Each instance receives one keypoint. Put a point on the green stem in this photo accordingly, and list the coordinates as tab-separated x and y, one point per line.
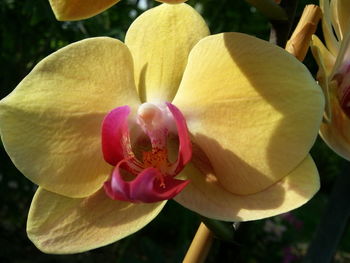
222	230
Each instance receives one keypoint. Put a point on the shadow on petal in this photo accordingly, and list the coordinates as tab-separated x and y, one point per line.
255	100
287	85
206	195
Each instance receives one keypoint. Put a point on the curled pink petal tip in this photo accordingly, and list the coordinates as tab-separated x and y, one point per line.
149	186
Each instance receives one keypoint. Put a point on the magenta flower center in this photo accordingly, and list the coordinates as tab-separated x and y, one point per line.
149	177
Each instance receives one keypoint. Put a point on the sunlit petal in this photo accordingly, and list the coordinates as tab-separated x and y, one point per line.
62	225
207	197
160	41
51	123
252	108
66	10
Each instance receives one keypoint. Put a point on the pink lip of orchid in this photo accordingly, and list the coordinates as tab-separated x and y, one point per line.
153	176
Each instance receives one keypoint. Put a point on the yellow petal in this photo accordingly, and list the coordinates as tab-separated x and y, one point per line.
207	197
171	1
328	60
336	133
330	39
252	108
66	10
63	225
325	61
342	11
335	129
51	122
160	41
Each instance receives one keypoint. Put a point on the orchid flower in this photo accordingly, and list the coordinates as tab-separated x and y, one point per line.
110	131
334	74
69	10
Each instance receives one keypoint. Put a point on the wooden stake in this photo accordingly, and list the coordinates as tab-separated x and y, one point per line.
200	246
299	42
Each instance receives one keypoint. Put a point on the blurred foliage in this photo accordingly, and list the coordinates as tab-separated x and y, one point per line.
29	32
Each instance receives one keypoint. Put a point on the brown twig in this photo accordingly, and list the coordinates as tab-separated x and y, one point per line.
299	42
200	246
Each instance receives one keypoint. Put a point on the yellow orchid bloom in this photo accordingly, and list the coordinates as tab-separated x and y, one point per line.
243	116
334	74
70	10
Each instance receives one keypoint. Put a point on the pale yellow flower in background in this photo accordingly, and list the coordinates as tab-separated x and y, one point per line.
252	111
69	10
334	74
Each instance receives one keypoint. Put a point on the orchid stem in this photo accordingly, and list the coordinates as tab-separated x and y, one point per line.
299	42
200	246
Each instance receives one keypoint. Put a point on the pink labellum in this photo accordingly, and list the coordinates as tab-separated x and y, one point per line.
115	135
185	147
148	186
152	178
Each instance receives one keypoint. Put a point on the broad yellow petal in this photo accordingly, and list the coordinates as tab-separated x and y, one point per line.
160	41
66	10
251	107
206	196
63	225
51	122
336	132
